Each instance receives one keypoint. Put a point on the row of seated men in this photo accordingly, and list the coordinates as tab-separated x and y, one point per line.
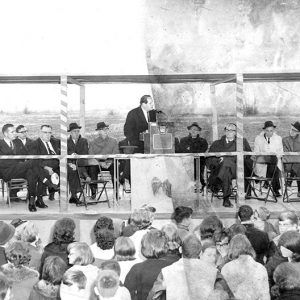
223	169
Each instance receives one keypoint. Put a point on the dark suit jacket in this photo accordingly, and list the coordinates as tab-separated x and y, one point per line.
38	148
81	147
26	146
19	149
136	123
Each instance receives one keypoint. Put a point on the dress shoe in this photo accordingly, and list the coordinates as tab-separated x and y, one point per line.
31	205
73	200
51	197
227	203
277	194
40	203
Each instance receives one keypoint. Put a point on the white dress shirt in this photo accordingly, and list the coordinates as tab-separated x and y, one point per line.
50	146
145	114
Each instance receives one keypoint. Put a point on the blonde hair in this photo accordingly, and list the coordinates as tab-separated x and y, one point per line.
263	213
27	232
124	249
171	232
83	253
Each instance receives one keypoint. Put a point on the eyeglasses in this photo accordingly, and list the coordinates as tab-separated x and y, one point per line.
222	244
47	132
23	131
230	130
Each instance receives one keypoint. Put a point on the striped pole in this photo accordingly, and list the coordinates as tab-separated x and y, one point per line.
63	139
82	109
240	129
213	103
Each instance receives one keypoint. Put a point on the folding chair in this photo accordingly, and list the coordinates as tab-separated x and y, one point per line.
289	178
253	180
84	183
16	184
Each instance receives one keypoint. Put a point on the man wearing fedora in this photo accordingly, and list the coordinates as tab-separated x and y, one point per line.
105	145
269	141
77	145
193	143
291	143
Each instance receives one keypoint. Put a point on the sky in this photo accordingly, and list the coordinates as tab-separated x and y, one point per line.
92	37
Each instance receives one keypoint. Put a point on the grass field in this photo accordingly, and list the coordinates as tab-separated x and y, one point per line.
252	125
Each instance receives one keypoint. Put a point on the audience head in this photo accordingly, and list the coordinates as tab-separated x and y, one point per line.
141	218
295	129
154	244
194	130
27	232
240	245
7	231
171	233
22	132
102	129
289	245
9	131
46	132
209	252
17	253
262	213
53	269
223	244
64	231
104	223
245	213
269	128
124	249
191	247
107	284
288	221
112	265
80	254
146	103
73	282
74	130
286	277
5	287
211	228
237	229
182	215
105	238
230	131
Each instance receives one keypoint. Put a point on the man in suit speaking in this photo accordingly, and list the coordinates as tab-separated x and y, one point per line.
137	122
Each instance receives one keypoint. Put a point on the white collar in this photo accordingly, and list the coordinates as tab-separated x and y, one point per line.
7	141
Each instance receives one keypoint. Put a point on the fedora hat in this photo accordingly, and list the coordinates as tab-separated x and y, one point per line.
73	126
296	125
194	124
269	124
101	125
6	232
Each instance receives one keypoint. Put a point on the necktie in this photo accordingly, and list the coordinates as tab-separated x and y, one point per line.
49	150
268	140
11	145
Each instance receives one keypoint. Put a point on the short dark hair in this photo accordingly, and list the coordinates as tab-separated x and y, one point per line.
74	277
291	241
46	125
110	264
54	269
191	246
180	213
209	226
245	212
105	238
154	244
64	231
144	99
103	223
6	126
19	127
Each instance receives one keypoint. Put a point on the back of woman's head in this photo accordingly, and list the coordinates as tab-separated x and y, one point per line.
105	239
74	277
154	244
4	286
104	223
237	229
180	213
54	269
191	247
291	241
82	253
18	254
111	264
27	232
240	245
286	276
141	218
124	249
64	231
171	232
211	227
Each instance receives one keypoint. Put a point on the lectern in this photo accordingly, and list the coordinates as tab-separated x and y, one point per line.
160	138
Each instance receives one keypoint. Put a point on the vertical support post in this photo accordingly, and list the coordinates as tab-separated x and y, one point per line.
240	146
82	109
63	138
197	165
213	102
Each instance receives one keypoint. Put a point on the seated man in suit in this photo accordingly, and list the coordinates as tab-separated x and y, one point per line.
223	169
46	145
137	122
76	145
103	144
193	143
291	143
22	135
19	168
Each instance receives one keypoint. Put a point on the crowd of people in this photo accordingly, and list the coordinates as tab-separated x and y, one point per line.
253	259
39	172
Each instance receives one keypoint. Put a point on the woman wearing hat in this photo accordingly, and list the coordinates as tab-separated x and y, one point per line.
269	141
